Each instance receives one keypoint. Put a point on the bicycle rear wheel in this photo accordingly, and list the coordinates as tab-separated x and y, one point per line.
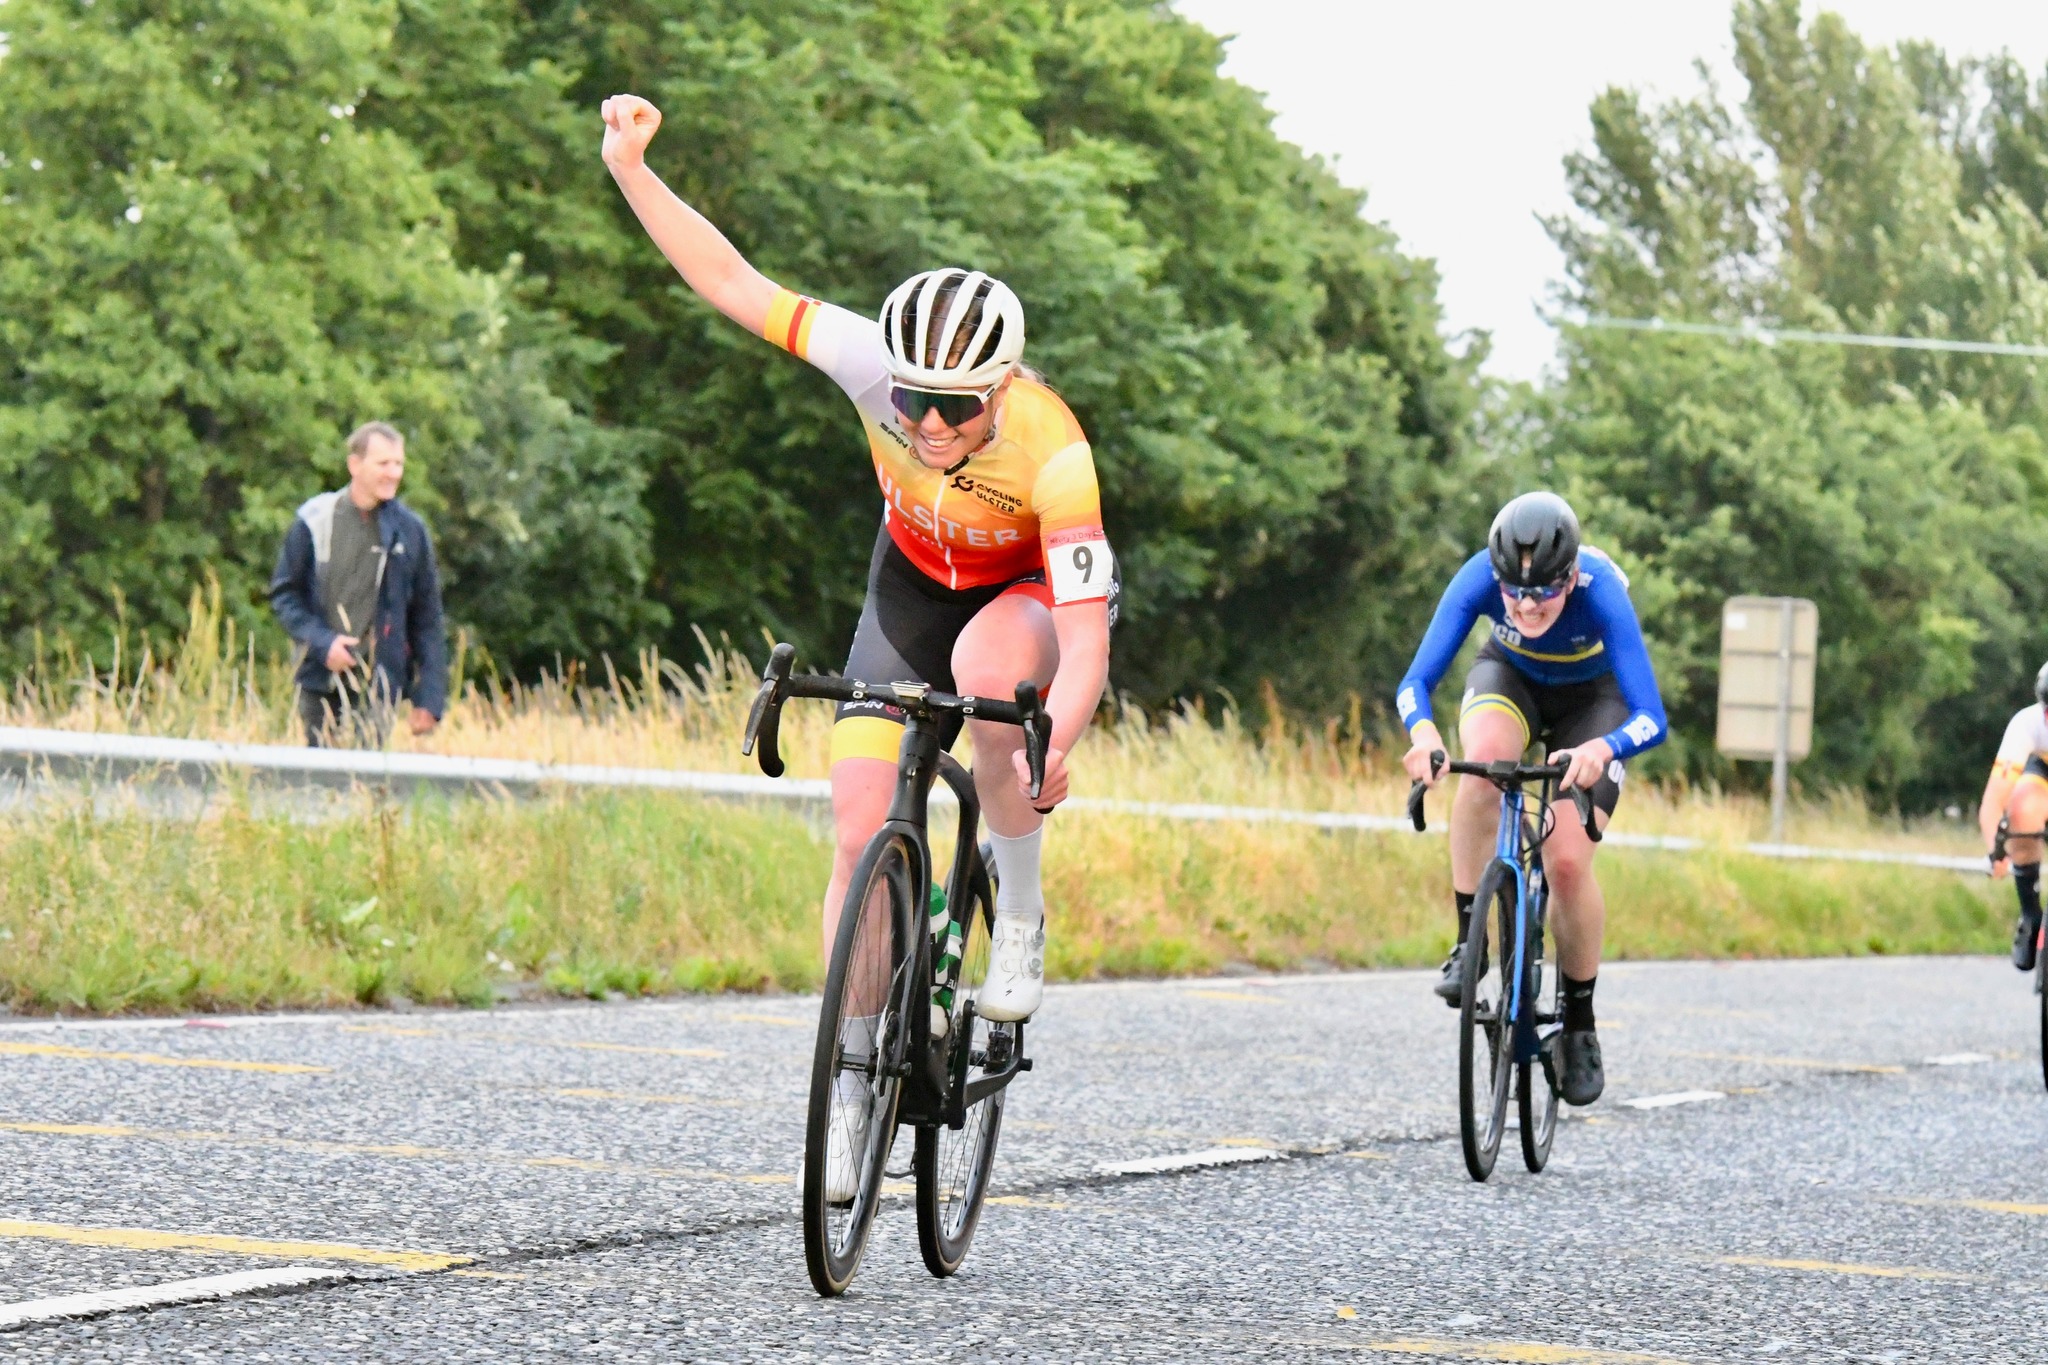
1536	1083
1486	1053
953	1167
856	1069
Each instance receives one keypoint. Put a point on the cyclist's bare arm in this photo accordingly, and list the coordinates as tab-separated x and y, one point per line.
708	263
1997	793
1082	629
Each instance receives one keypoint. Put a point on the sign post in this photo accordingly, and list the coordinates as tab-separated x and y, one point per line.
1768	646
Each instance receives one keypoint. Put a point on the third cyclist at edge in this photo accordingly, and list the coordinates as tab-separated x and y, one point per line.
1565	664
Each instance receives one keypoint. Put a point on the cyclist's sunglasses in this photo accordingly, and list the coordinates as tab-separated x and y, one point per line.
1537	592
954	406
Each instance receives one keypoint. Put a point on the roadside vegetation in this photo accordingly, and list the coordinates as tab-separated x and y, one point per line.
109	904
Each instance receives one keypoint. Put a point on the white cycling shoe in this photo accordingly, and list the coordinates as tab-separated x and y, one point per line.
842	1177
1016	971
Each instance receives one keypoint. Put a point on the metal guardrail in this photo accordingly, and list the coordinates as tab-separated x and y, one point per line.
72	752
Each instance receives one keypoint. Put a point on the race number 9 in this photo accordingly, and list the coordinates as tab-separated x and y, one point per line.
1080	565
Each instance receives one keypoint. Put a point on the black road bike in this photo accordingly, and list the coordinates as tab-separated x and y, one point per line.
1509	1015
899	1042
2005	832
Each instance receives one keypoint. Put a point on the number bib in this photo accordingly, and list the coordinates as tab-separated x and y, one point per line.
1080	565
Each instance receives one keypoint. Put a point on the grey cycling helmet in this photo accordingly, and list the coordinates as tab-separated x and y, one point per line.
1538	528
2041	685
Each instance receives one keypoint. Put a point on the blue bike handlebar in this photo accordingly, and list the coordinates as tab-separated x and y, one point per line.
1504	773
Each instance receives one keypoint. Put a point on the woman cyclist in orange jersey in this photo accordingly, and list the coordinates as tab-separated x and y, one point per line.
991	567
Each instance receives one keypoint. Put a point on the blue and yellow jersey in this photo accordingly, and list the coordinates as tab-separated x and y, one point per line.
1596	633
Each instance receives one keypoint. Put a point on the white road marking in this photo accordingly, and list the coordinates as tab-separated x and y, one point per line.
1189	1161
1675	1097
1958	1059
162	1295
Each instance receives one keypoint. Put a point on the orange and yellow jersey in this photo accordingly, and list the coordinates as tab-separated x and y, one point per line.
1029	492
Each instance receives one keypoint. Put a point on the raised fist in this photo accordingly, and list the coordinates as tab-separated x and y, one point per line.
629	124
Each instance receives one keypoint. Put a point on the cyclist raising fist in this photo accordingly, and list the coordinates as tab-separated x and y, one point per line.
990	567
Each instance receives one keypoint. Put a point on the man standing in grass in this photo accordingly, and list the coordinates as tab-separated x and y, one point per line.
356	586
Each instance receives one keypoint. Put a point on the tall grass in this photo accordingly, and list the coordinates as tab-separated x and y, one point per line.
106	906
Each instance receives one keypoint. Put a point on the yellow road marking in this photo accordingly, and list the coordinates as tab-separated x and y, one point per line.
1363	1155
1873	1068
1515	1352
397	1150
1347	1312
148	1239
1882	1272
779	1019
465	1036
155	1059
489	1275
1019	1201
1247	1142
1981	1205
591	1093
1236	995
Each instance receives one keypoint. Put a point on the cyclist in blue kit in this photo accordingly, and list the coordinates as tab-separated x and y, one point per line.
1565	665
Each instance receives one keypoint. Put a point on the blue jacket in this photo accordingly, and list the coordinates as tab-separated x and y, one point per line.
412	643
1596	633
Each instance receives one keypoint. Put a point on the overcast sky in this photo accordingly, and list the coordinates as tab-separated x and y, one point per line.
1455	117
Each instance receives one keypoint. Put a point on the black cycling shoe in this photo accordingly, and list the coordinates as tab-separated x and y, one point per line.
1584	1079
2024	938
1450	987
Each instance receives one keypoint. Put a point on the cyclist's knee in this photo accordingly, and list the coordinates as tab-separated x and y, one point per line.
1568	863
1009	642
1490	734
2028	806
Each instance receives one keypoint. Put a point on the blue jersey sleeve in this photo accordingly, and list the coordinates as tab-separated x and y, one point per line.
1645	727
1460	606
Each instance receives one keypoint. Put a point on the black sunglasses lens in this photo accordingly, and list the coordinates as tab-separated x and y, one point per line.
953	408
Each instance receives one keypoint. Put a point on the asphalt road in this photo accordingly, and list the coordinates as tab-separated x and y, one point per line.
1866	1182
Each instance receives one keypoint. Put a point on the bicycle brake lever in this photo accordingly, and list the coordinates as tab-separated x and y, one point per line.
1037	735
1583	799
764	721
1419	789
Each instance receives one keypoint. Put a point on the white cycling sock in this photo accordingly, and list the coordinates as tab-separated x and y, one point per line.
1018	893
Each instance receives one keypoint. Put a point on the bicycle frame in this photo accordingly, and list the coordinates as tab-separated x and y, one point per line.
933	1094
1518	845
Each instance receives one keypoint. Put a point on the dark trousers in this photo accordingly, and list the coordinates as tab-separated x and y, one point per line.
346	718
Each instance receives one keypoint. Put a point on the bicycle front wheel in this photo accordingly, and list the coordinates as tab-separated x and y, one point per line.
857	1067
1486	1053
1536	1082
954	1167
2041	994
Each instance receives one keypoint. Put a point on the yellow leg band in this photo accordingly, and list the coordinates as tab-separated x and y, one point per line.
867	737
1493	701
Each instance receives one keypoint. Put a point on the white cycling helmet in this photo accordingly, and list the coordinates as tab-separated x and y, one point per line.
918	340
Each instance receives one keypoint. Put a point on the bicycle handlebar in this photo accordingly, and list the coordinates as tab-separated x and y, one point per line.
764	720
1504	772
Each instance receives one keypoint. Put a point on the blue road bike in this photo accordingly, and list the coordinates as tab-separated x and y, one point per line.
1509	1010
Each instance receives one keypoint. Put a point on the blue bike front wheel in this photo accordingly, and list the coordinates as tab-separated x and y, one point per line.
1486	1048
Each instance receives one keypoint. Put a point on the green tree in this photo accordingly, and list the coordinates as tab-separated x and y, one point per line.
214	269
1900	489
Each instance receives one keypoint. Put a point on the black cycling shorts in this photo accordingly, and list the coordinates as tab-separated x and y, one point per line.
1563	716
908	627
